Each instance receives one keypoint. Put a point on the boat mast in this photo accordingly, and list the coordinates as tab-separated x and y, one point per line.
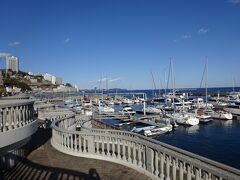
206	78
172	78
154	84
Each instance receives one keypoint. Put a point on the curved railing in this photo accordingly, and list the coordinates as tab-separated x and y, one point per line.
153	158
17	121
16	97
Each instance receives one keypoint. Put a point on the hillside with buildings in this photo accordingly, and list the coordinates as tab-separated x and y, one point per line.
13	80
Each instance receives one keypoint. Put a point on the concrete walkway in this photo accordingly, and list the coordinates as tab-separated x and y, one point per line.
47	163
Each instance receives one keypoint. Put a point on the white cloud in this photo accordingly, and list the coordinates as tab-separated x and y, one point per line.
203	30
16	43
105	79
186	36
66	40
234	1
113	80
3	54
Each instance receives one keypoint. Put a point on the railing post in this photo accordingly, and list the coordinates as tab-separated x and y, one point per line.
91	145
156	164
180	170
124	149
149	159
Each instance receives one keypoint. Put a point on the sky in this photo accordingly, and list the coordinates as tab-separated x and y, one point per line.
128	42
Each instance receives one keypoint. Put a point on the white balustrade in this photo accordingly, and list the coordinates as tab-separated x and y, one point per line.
153	158
15	114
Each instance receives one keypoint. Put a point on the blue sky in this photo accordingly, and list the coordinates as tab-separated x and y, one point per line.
124	40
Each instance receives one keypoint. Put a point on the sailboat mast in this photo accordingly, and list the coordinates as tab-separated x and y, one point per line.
171	65
206	78
154	84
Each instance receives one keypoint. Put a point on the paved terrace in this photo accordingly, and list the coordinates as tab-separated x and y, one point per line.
44	162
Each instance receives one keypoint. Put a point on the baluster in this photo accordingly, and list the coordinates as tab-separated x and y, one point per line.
97	145
71	141
113	148
162	158
62	140
189	174
134	153
124	150
75	142
24	115
11	122
128	152
103	151
118	150
174	169
15	123
108	149
197	175
83	143
168	168
144	158
3	120
139	156
65	139
156	164
80	143
180	170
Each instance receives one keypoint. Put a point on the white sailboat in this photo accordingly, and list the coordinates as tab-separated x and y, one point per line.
182	117
200	112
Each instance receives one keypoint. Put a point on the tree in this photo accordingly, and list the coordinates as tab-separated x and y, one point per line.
14	82
68	84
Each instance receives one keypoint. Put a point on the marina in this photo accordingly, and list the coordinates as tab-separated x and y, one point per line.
191	138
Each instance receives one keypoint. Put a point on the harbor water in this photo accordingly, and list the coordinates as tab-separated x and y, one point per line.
218	140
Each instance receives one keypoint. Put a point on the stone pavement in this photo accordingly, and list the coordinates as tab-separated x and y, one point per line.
47	163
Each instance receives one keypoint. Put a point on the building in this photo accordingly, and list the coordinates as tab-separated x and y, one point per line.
1	78
59	80
12	63
53	79
63	88
47	77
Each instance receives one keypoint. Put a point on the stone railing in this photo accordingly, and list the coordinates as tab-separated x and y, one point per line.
17	121
54	114
153	158
15	97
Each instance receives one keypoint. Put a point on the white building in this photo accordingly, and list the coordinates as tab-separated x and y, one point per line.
53	79
63	88
59	80
12	63
48	77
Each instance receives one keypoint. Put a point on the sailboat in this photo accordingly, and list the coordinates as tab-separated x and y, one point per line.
181	117
201	111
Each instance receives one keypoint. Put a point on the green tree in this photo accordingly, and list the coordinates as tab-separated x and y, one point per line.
68	84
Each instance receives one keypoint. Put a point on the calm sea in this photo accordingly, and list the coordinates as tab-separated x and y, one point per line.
218	140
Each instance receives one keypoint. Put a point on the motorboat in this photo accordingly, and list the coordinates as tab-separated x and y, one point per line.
142	129
232	108
158	130
151	110
127	101
203	118
105	109
184	118
219	113
127	110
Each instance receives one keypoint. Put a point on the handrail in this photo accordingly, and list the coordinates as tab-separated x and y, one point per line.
17	122
154	158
